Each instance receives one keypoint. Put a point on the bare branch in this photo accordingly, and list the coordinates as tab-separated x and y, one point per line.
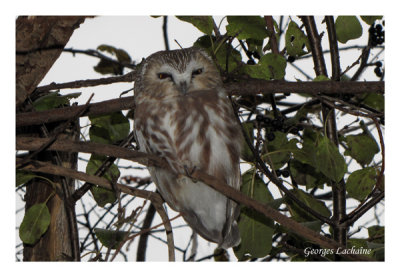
155	198
54	115
248	87
205	178
127	78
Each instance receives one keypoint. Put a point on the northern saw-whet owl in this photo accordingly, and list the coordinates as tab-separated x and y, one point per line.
183	115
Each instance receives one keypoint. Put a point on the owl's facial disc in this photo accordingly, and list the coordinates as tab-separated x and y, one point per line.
183	81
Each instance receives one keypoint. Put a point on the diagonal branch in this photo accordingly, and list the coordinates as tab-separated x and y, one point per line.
155	198
215	183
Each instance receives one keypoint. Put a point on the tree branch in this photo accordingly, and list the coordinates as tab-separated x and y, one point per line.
32	143
329	117
127	78
165	32
155	198
54	115
257	86
215	183
249	87
97	54
142	246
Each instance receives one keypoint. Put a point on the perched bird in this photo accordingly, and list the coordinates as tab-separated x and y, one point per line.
183	115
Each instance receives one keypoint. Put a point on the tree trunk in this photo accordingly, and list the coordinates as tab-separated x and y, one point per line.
60	241
39	42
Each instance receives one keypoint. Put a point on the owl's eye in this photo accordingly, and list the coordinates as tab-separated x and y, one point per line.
197	72
163	75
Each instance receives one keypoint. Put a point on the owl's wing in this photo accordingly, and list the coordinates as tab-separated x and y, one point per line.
164	179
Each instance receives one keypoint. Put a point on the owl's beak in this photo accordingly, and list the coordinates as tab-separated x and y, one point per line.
183	87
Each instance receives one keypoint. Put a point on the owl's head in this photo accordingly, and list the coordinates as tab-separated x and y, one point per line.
176	73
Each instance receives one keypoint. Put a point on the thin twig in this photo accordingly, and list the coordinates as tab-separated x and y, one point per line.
97	54
155	198
127	78
142	246
165	32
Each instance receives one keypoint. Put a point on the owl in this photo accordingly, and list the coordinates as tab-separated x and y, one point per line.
183	115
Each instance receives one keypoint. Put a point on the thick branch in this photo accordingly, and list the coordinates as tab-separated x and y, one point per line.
249	87
100	108
256	86
211	181
31	144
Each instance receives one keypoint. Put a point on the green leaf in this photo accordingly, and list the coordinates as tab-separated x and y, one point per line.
347	28
306	175
357	243
311	202
96	161
246	27
204	23
23	177
110	238
378	250
329	160
370	19
101	195
53	100
362	148
255	45
307	154
255	229
105	67
205	42
270	67
376	234
321	78
279	150
220	52
296	41
122	55
108	67
109	128
35	223
234	57
361	182
374	100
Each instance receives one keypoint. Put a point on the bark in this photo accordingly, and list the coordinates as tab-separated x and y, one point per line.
39	42
57	244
